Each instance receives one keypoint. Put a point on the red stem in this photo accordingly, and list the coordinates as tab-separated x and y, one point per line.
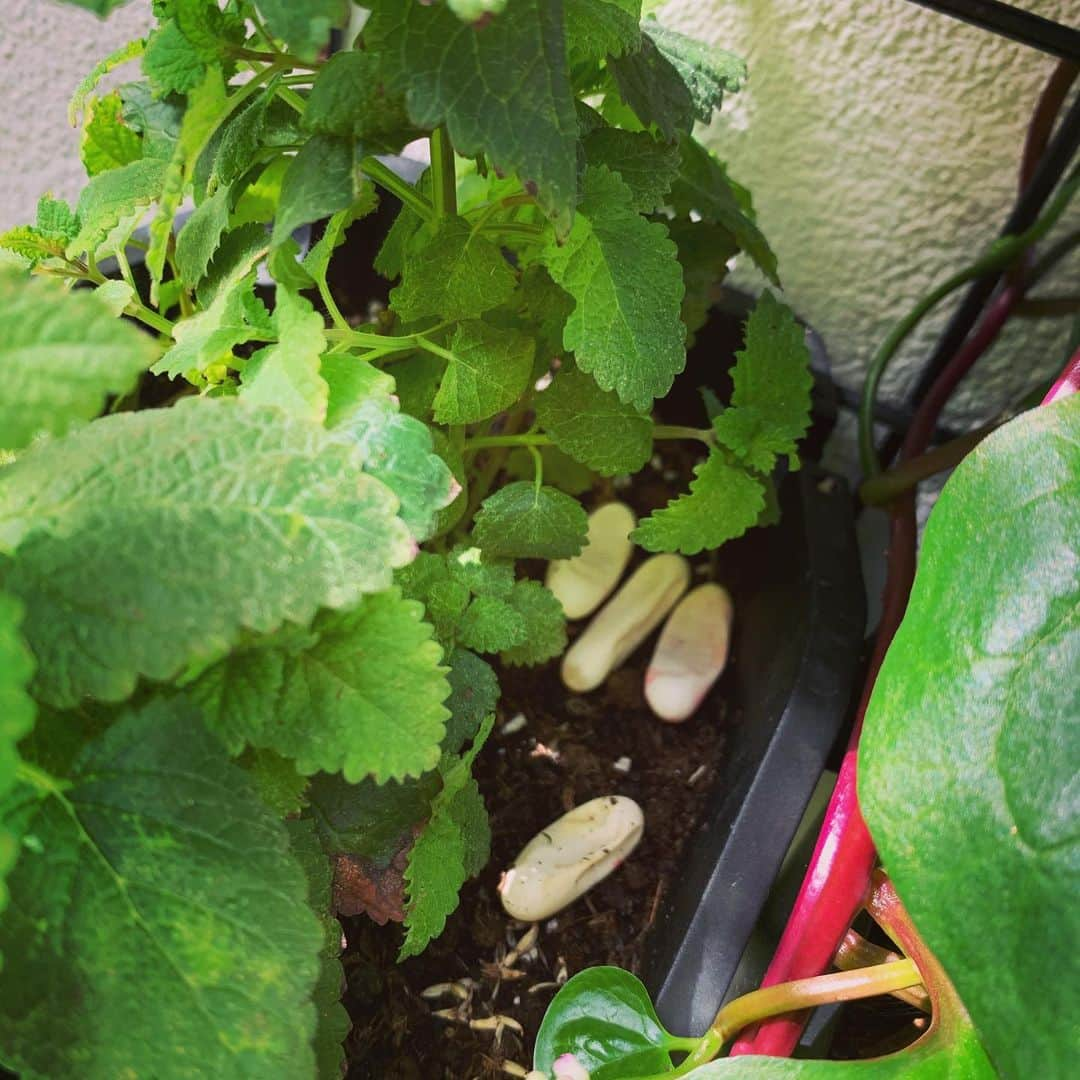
1068	382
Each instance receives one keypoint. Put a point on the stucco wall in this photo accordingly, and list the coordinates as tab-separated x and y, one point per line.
880	141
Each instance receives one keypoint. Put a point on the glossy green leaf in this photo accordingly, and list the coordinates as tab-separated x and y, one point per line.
969	761
603	1016
521	521
61	355
155	869
149	540
624	276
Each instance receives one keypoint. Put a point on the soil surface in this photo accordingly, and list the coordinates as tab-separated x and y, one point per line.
572	748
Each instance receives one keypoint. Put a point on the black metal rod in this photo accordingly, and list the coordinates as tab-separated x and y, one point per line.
1053	164
1008	21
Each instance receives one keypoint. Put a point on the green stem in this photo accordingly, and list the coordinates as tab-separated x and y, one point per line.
538	469
387	178
45	782
660	431
279	59
521	230
1002	254
338	319
291	98
794	997
443	175
435	350
134	308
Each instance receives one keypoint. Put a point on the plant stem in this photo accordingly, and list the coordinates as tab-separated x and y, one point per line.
660	431
520	229
794	997
280	59
443	175
387	178
538	469
38	778
291	98
1048	307
883	488
856	952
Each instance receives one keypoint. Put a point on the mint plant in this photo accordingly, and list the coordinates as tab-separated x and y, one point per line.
226	662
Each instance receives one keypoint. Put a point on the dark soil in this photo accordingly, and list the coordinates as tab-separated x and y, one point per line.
564	755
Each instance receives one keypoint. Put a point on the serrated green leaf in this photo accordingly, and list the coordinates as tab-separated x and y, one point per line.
474	693
491	625
362	697
115	296
132	50
240	251
624	275
275	781
482	577
560	470
417	378
673	80
502	89
55	219
241	140
704	251
723	502
112	197
489	372
967	771
150	540
452	272
205	110
521	521
545	625
156	867
171	62
593	426
286	374
321	180
391	254
596	29
157	120
61	355
770	410
200	237
352	381
397	448
107	142
305	27
705	189
646	165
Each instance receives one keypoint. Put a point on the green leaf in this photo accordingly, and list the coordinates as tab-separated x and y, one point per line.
453	273
646	165
603	1016
171	62
704	189
206	106
489	372
200	237
362	696
149	540
596	29
502	89
321	180
107	142
521	521
474	693
352	381
770	410
156	868
317	260
397	448
723	502
490	625
113	197
286	374
156	119
593	426
674	80
275	780
473	10
132	50
624	275
453	846
61	355
545	625
704	251
16	720
967	770
304	26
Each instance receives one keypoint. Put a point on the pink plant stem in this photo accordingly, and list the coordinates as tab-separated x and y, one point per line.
1068	382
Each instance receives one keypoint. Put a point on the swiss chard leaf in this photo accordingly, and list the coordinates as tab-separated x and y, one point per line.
968	764
60	357
149	540
155	866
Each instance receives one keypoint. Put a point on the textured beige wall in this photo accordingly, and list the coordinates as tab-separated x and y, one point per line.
880	141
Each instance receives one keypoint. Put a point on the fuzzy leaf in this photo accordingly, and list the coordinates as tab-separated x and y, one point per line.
502	88
490	625
200	236
596	29
304	26
132	50
150	540
321	180
171	62
521	521
455	273
646	165
545	625
113	197
474	693
61	355
286	374
593	426
108	142
624	275
155	867
362	696
489	372
723	502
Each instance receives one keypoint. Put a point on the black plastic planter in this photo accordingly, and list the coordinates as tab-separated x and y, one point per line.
800	615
